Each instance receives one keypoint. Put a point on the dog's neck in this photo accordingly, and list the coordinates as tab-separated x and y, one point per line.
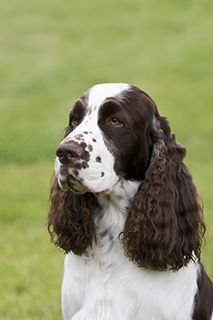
114	207
109	221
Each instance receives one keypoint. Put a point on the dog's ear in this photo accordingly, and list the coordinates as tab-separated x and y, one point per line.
70	219
165	227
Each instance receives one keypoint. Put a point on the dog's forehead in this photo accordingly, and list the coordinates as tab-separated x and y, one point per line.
99	93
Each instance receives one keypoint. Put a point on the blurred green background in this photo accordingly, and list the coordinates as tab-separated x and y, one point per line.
50	53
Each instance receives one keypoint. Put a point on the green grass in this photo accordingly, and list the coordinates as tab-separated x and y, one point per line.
51	52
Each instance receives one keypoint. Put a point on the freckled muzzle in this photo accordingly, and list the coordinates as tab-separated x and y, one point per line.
72	157
71	153
85	166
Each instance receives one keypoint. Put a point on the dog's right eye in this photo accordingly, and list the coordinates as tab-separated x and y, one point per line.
74	120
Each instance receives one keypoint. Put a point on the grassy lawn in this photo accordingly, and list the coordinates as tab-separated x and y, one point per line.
51	52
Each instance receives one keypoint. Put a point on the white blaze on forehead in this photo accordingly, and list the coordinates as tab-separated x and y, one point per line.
100	92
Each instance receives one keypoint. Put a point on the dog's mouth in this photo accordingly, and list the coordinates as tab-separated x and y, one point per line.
72	183
76	185
70	179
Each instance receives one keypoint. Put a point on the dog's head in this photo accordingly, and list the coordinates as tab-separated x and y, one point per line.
108	138
116	134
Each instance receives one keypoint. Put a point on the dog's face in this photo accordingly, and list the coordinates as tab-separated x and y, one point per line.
107	139
116	138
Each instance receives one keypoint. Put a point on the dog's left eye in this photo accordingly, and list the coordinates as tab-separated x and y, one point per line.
114	121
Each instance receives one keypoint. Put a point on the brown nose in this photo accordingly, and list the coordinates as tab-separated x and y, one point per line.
68	152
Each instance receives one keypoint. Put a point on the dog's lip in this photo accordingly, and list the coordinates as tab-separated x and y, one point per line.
71	183
72	180
75	184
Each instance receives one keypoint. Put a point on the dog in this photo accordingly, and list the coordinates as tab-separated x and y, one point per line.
126	212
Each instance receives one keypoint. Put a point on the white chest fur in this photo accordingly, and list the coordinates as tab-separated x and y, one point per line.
103	284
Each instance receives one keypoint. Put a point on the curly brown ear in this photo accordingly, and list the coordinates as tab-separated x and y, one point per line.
70	219
165	227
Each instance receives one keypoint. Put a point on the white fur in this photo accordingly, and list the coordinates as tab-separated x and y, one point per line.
100	92
103	284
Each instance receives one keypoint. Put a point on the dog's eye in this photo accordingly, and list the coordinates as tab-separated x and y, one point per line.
74	120
114	121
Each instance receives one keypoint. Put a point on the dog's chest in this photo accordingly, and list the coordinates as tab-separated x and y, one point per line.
97	291
103	284
98	288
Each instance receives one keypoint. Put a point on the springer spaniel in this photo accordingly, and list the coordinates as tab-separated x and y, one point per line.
126	212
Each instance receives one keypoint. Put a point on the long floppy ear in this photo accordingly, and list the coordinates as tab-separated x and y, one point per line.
70	219
165	227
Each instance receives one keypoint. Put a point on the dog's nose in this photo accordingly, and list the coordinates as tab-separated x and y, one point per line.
68	152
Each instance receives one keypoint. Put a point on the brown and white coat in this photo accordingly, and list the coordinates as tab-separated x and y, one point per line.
125	210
